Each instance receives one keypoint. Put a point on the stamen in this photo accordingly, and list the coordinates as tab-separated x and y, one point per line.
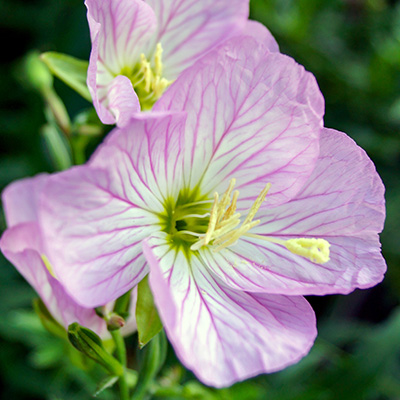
147	79
223	230
158	65
224	221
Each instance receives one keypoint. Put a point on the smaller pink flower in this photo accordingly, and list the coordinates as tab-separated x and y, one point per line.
140	47
22	244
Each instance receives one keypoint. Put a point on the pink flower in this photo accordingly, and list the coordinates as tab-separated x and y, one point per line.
227	271
140	47
22	244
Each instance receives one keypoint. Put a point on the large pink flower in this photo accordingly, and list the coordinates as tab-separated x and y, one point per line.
228	287
22	244
140	47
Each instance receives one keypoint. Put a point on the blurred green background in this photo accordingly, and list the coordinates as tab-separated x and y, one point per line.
353	48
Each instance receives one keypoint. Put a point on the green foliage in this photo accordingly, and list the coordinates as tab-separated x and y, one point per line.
147	319
152	359
70	70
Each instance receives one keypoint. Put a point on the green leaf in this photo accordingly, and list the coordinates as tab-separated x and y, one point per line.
147	319
105	384
47	319
70	70
153	359
89	343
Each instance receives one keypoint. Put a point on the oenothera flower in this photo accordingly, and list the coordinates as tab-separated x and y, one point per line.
227	268
22	244
140	47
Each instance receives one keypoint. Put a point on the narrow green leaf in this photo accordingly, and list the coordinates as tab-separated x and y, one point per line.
105	384
147	319
70	70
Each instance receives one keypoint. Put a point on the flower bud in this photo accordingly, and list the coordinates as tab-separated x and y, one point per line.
89	343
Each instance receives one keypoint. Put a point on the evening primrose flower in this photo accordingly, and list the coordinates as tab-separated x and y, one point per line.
140	47
22	244
235	200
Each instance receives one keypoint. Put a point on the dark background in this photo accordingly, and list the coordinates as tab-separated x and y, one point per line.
353	48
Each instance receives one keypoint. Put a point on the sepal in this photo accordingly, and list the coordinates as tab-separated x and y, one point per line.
147	319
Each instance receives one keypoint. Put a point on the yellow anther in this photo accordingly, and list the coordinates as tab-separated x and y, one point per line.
158	65
146	77
47	264
232	208
213	220
222	227
147	73
257	204
316	250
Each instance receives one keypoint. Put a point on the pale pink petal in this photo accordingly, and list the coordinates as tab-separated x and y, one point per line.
343	203
187	29
22	246
119	31
259	32
253	115
94	234
20	199
223	335
122	100
94	217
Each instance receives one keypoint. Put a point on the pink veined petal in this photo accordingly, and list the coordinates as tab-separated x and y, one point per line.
253	115
343	203
259	32
94	217
187	29
22	246
94	233
224	336
122	100
20	199
123	28
147	156
120	30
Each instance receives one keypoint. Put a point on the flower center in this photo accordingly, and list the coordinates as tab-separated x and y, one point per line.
190	225
185	218
147	79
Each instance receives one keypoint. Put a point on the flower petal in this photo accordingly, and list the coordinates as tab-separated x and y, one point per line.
190	28
223	335
119	31
343	203
94	217
22	246
119	102
20	199
253	115
259	32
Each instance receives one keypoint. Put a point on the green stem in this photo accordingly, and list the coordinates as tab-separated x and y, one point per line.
121	356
